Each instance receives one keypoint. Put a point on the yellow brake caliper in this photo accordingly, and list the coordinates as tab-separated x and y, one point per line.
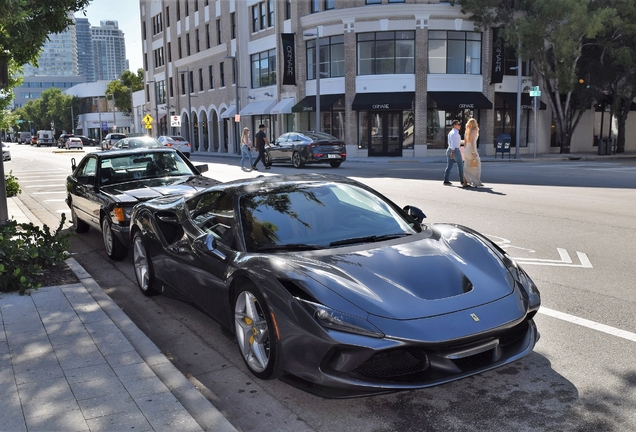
249	322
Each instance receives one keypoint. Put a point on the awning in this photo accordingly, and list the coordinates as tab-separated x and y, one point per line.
258	108
460	100
383	101
526	101
309	103
284	106
229	113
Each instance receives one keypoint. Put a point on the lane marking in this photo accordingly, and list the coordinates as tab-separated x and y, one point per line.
46	193
55	200
589	324
565	260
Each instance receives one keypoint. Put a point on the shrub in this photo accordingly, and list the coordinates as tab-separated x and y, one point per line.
13	188
25	250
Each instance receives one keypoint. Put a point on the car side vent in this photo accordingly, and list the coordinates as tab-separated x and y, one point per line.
296	291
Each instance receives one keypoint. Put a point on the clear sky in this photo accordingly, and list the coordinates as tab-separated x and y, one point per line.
126	13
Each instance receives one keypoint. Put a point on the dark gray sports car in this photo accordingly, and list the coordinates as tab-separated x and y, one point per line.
333	288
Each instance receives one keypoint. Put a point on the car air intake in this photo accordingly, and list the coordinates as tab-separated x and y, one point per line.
394	363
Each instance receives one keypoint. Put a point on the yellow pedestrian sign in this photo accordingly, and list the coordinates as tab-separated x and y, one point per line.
147	119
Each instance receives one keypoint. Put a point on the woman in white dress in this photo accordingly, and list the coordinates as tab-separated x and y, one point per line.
472	163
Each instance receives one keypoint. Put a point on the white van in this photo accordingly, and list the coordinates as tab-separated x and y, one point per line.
25	137
44	137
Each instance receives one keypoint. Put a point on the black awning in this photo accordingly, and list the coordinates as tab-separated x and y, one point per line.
460	100
309	103
383	101
526	100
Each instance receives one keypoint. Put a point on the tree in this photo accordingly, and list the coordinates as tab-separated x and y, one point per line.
51	108
121	88
552	34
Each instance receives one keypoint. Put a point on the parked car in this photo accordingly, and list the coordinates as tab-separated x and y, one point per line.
300	148
328	283
177	142
86	141
6	154
111	139
137	142
61	141
105	186
74	142
45	138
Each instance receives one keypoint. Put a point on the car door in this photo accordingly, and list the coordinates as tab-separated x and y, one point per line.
201	273
82	189
275	149
293	141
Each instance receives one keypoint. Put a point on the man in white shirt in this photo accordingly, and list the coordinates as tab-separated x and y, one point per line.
454	154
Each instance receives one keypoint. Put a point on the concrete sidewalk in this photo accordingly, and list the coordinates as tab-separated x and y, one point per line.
71	360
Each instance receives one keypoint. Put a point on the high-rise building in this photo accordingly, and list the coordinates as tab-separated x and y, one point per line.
58	57
85	58
109	50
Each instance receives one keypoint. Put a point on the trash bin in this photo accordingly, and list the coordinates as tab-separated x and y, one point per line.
601	146
609	146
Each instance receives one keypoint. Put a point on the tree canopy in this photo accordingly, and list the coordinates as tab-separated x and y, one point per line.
53	108
123	87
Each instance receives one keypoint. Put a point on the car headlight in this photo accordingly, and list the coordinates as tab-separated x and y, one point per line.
336	320
122	214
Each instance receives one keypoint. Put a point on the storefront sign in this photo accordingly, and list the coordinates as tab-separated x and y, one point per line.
289	58
497	73
466	106
381	106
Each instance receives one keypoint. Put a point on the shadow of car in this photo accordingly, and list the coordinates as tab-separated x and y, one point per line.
105	186
375	300
301	148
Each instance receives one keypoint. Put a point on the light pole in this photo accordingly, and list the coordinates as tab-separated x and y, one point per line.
518	120
154	82
238	102
114	119
72	121
190	125
317	61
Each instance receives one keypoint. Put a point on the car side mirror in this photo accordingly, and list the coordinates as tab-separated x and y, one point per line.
417	214
206	244
202	168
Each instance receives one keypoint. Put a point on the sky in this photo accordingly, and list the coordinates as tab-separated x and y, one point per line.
126	13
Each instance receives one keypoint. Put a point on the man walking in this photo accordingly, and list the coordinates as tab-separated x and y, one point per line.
261	140
454	154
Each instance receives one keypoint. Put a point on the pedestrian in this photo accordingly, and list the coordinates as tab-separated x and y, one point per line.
261	141
246	148
472	163
454	155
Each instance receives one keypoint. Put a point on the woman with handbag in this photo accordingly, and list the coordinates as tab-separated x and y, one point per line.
246	148
472	163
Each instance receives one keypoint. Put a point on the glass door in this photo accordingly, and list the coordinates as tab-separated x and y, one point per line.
385	133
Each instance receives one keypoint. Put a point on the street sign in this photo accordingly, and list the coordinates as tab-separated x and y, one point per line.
147	119
535	88
175	121
104	126
148	125
534	93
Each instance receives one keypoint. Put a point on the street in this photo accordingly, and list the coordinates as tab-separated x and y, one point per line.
570	224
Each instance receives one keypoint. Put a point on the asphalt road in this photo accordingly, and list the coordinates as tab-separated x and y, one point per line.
569	223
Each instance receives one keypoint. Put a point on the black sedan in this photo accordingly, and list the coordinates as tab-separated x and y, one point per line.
335	289
105	186
300	148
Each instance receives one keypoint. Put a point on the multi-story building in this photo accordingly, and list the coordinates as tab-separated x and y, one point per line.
33	86
85	58
392	75
58	57
109	50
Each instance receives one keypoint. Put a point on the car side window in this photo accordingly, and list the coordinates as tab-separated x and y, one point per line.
213	213
88	168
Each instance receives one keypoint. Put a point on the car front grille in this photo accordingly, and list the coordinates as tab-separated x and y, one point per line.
514	334
394	363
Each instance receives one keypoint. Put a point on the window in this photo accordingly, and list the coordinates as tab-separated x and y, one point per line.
374	2
198	44
157	24
146	62
263	10
161	92
233	24
315	6
330	4
386	53
178	10
218	32
188	44
200	79
211	73
287	9
207	36
222	73
179	47
183	89
212	212
167	16
191	81
453	52
171	87
331	57
270	13
254	19
143	30
159	59
196	5
169	52
187	8
263	69
262	15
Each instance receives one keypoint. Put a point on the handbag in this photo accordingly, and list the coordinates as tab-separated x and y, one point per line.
474	163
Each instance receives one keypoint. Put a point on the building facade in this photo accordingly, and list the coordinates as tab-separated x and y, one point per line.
109	50
389	76
85	58
58	57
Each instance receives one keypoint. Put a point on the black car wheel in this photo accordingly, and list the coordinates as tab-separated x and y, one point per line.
79	225
335	164
255	333
143	266
115	249
297	161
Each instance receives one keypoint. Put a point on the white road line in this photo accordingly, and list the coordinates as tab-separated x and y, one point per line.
55	200
49	192
589	324
43	185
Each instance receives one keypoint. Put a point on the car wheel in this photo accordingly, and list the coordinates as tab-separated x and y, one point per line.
142	263
297	161
255	333
268	159
335	164
79	225
115	249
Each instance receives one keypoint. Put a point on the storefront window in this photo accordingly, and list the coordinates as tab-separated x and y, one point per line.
331	57
408	129
386	53
363	130
453	52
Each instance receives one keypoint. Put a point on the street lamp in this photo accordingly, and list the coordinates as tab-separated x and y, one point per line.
190	125
238	102
114	118
72	120
317	61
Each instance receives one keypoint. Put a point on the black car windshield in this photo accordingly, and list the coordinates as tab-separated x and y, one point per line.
318	216
140	165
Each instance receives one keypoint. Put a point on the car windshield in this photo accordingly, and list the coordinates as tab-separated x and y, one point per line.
318	216
138	143
139	165
178	138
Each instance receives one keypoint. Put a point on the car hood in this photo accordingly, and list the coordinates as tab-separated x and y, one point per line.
443	270
144	190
